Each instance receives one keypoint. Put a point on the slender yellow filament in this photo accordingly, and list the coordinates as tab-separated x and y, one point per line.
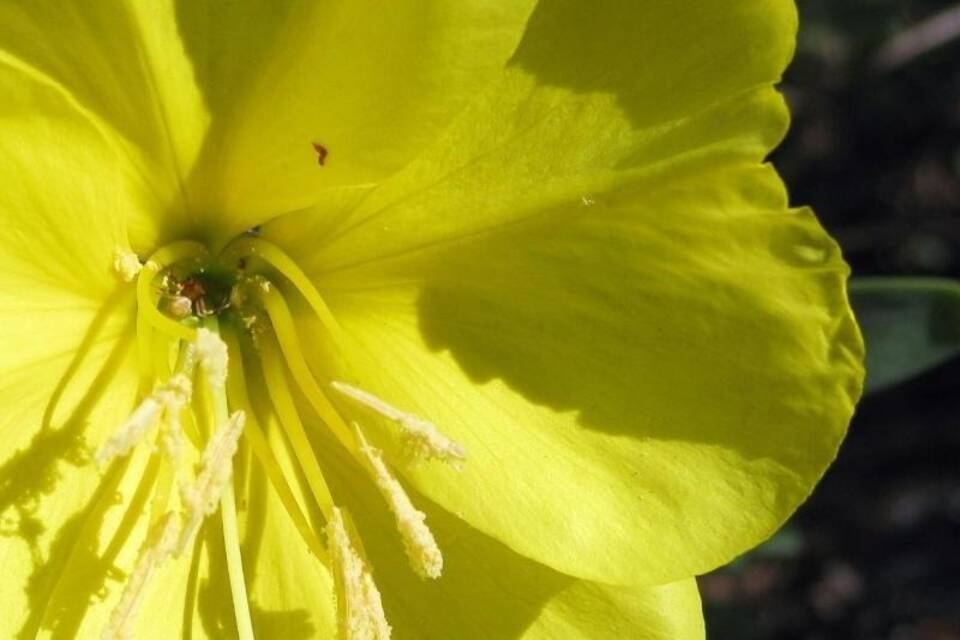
289	343
238	587
146	305
145	353
237	395
161	358
290	421
275	257
220	414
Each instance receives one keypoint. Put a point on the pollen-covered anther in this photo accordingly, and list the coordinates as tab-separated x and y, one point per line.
212	353
423	439
158	545
418	540
216	468
127	264
180	307
170	396
171	432
360	613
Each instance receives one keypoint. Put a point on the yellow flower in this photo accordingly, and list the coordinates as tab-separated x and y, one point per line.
457	319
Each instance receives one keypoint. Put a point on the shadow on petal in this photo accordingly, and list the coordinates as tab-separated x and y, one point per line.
487	591
33	472
683	312
662	60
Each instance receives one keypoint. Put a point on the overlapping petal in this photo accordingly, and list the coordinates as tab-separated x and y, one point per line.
121	62
66	370
372	83
593	284
589	280
219	107
488	591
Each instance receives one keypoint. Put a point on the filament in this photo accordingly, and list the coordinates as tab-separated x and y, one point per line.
237	395
218	412
290	421
238	587
275	257
146	305
289	343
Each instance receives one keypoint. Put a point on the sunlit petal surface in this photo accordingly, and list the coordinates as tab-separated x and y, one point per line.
414	319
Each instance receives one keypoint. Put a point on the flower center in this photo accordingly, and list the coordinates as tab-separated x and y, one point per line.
201	319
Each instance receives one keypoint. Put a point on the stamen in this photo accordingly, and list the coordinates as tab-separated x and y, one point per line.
214	481
360	613
423	439
212	353
275	257
201	499
181	307
286	334
238	585
158	545
126	263
237	394
172	396
146	305
418	540
171	435
293	427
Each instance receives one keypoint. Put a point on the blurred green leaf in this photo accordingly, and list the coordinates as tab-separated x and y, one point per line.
910	325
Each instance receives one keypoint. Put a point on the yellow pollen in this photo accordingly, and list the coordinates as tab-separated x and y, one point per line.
167	287
126	263
170	396
158	545
201	498
171	433
212	353
418	540
423	439
181	307
360	613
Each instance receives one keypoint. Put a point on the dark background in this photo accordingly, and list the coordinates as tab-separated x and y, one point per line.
875	149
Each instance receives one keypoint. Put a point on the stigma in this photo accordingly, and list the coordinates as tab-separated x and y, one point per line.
201	320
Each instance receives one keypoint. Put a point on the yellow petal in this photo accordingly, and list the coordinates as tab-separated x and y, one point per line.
123	63
594	285
67	372
488	591
372	83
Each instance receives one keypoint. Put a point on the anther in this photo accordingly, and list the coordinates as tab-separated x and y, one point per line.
360	613
418	540
126	263
212	353
180	307
423	439
171	439
200	499
170	396
158	545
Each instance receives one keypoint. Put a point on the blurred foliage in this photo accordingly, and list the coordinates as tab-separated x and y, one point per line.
877	153
875	553
910	325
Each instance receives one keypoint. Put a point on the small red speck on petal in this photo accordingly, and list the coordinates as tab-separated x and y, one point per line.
321	153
